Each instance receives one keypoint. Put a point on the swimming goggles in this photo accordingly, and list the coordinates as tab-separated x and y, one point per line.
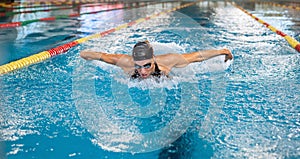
146	66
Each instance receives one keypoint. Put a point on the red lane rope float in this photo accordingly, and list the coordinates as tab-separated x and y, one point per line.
293	42
23	23
42	56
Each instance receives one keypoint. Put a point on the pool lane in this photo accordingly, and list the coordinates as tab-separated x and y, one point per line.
264	68
53	18
22	5
64	48
293	42
50	8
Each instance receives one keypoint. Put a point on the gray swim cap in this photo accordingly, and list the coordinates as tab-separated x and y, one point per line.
142	51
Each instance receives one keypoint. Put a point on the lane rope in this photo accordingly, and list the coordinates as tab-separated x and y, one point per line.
21	5
53	18
293	42
41	6
7	14
42	56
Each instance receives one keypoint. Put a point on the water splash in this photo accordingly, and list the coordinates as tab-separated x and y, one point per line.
119	118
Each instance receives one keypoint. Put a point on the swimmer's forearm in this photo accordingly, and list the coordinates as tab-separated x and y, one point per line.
207	54
90	55
105	57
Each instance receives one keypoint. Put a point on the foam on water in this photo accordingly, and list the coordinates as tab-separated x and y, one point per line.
135	116
115	119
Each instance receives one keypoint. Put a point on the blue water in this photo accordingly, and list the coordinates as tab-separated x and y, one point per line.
66	107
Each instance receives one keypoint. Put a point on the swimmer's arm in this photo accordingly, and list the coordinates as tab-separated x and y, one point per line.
184	59
121	60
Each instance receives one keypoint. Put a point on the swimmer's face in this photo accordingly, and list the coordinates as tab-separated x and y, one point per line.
144	67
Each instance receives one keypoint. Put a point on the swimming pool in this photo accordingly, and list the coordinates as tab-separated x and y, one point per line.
66	107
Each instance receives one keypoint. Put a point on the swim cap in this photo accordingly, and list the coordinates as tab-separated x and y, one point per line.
142	51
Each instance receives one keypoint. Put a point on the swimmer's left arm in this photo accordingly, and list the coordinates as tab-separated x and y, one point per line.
200	56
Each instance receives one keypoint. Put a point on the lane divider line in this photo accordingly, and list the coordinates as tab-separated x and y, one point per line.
26	22
293	42
42	56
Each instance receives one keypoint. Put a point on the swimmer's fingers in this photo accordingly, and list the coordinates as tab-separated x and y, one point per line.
228	55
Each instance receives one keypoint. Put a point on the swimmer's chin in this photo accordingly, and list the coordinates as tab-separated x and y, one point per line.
144	76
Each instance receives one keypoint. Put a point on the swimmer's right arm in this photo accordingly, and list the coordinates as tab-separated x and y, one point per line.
92	55
121	60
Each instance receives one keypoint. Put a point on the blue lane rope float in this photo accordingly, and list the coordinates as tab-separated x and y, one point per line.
42	56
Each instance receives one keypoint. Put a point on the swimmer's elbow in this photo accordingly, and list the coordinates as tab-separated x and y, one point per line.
181	65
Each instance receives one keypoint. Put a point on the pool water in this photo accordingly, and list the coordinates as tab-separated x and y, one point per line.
67	107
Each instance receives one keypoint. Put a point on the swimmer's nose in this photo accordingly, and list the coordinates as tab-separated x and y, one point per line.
143	70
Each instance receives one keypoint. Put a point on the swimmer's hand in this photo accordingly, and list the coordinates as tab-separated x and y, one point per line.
227	53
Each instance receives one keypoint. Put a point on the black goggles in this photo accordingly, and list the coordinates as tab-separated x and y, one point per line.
146	66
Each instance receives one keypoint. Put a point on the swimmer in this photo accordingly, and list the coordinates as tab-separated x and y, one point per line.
143	64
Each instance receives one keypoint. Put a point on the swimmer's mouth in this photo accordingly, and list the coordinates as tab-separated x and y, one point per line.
144	75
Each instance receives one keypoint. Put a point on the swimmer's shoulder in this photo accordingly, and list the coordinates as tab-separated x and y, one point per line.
168	60
125	59
167	56
125	62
